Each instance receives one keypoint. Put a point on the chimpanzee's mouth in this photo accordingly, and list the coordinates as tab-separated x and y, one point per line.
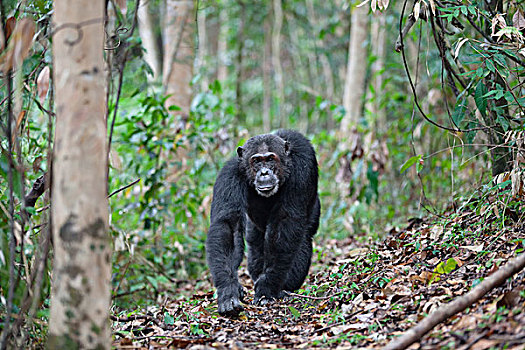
267	190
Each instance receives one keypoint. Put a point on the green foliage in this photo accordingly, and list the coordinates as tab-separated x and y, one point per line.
411	161
444	267
164	217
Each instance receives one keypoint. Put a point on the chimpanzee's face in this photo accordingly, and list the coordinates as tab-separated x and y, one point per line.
263	159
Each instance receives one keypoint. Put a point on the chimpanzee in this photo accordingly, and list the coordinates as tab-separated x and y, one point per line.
268	196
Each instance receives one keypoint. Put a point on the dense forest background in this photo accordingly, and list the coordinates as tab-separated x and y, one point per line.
413	107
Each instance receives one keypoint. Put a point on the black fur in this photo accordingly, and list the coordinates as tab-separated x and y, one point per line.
278	226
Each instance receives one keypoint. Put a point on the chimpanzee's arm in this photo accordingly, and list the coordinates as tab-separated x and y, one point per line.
225	243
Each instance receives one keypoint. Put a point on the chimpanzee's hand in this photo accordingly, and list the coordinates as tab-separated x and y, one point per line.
229	300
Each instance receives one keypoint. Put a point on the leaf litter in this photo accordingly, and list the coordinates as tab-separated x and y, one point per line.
359	295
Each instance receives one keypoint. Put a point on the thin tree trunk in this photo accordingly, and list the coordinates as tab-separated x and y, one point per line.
276	59
303	67
323	60
222	45
356	71
501	157
80	299
377	43
178	54
147	35
202	50
267	71
240	49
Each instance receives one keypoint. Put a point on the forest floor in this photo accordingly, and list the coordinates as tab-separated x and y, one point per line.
361	295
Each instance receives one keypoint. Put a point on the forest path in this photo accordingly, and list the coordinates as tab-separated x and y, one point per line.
360	294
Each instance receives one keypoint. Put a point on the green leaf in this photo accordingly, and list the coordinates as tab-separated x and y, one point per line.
499	94
443	268
411	161
509	97
503	122
419	166
490	66
153	282
168	319
459	112
446	266
30	210
472	134
294	311
479	72
4	172
481	101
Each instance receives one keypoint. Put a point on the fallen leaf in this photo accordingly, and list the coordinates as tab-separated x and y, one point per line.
474	248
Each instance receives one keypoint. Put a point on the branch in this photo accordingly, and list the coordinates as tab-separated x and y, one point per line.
122	188
38	189
135	318
457	305
408	25
409	77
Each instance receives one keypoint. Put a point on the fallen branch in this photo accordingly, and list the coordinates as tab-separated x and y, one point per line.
457	305
146	318
295	295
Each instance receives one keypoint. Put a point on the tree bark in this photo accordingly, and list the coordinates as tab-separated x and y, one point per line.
80	300
501	157
238	83
202	49
147	35
179	54
328	88
356	70
267	71
276	59
377	43
222	45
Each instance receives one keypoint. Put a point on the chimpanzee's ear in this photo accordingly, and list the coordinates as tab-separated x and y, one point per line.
287	147
239	151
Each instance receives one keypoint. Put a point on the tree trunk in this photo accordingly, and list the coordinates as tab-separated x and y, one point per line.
222	45
301	73
147	35
178	54
238	83
202	49
328	88
80	297
377	43
276	59
267	71
356	71
501	157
